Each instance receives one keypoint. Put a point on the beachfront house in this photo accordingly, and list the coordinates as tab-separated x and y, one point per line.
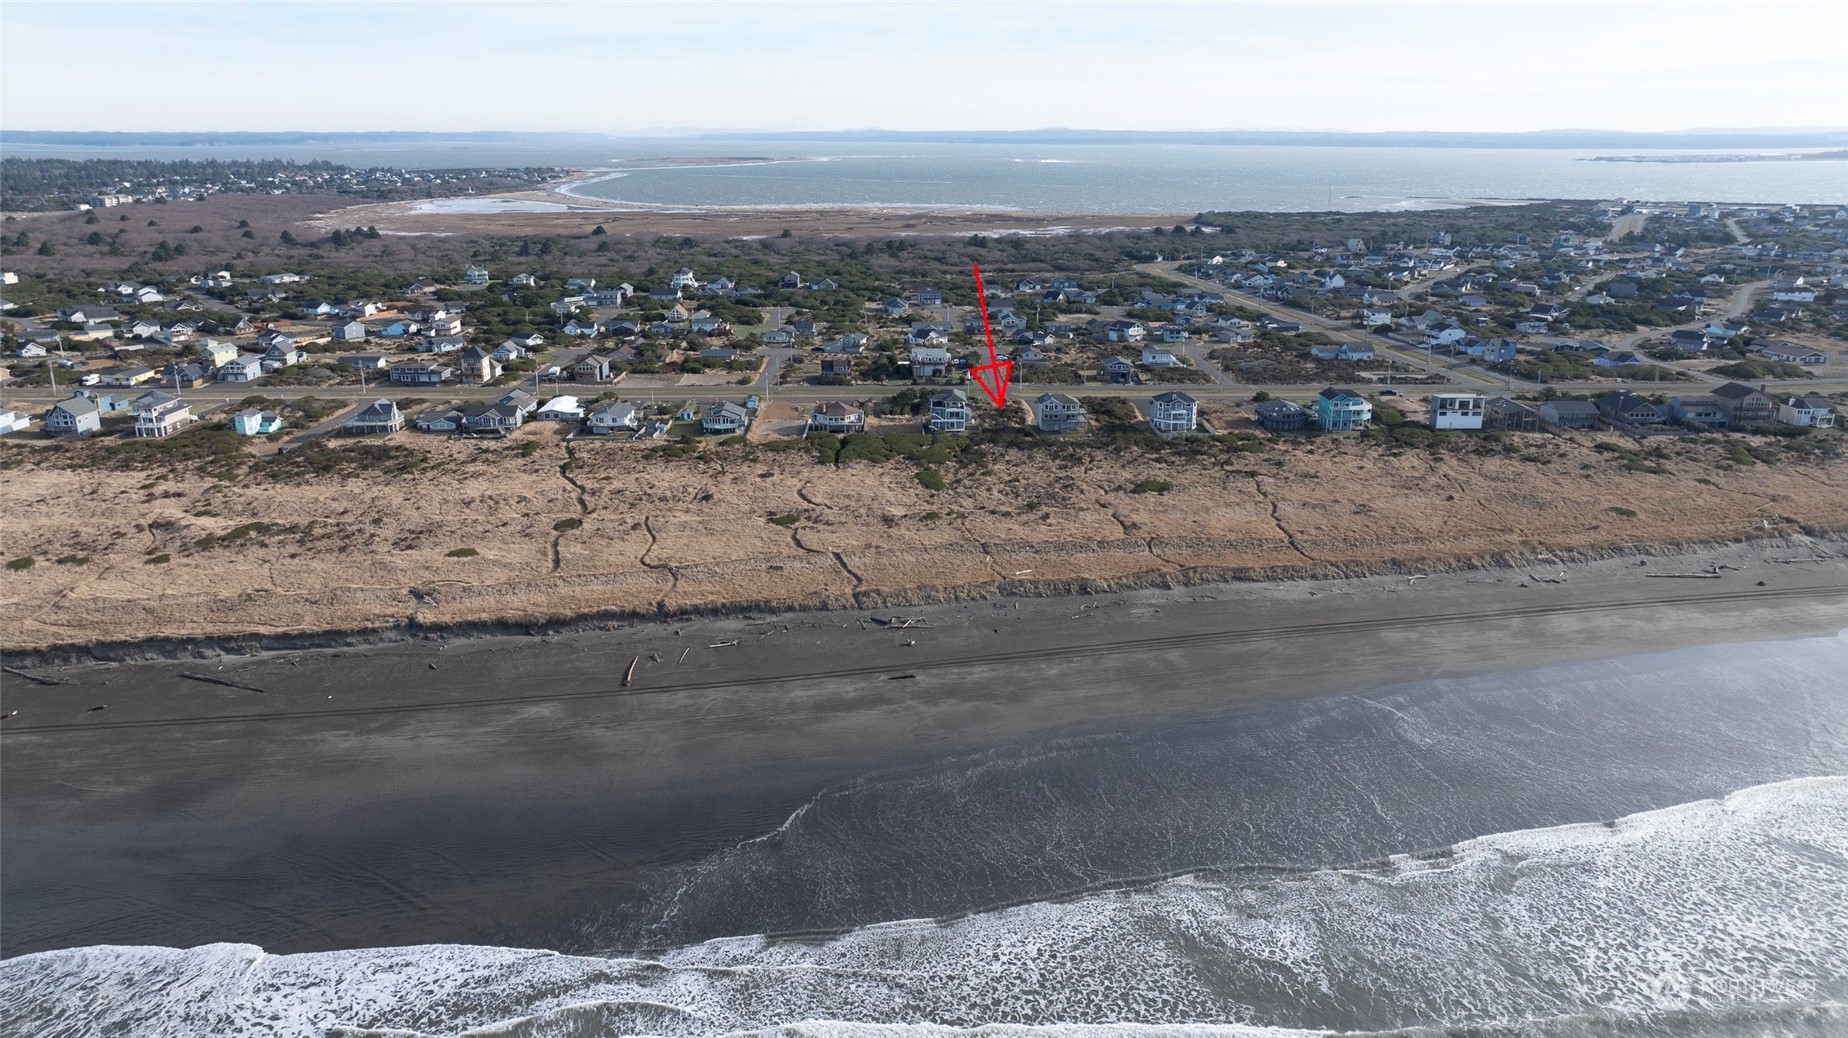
837	417
1341	410
929	361
1058	413
160	414
1281	416
1746	406
78	416
380	416
253	421
949	411
725	419
1569	414
1812	412
1173	413
1457	410
613	416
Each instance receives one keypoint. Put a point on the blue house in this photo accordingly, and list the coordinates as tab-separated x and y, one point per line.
254	422
1339	410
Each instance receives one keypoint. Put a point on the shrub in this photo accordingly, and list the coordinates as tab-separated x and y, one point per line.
1627	513
932	479
1152	486
786	519
567	524
461	553
160	560
24	562
72	560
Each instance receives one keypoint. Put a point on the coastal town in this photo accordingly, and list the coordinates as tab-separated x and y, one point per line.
1678	320
602	419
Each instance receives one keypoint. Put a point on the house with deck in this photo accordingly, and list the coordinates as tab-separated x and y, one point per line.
725	418
1280	416
1173	413
1699	410
837	417
77	416
613	416
1746	406
1505	415
421	373
1570	414
949	411
254	421
380	416
1458	410
1627	408
1811	412
160	414
1058	413
1341	410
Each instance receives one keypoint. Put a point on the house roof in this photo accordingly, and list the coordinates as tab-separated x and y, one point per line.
1571	406
1175	396
1065	399
1734	391
1331	393
377	411
837	409
1278	408
77	406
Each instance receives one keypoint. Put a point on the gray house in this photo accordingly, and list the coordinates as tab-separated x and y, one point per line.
78	416
1281	416
1621	406
380	416
1569	414
1058	412
949	411
1509	416
724	419
1701	410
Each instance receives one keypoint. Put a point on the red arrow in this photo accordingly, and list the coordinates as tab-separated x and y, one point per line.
993	376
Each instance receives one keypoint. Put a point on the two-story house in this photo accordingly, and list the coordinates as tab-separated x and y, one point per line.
1058	412
1341	410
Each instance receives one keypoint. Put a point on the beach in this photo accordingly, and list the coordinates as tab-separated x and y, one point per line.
514	790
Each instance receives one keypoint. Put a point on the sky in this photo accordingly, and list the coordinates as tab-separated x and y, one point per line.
635	67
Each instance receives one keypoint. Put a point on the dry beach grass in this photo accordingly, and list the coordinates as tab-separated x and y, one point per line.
372	549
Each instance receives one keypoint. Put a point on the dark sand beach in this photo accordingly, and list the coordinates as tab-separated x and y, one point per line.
506	790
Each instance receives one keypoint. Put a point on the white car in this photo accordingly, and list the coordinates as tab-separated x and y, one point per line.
90	379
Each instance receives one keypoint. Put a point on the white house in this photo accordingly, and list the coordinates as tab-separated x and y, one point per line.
683	278
614	416
1457	410
12	421
1811	411
1155	358
560	409
475	276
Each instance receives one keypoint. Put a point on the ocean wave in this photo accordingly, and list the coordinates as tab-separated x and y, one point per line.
1715	914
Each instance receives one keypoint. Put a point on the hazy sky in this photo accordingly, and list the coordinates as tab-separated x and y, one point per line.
625	67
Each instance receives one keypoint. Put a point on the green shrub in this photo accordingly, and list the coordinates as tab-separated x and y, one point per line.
72	560
24	562
931	517
932	479
1152	486
567	524
461	553
1627	513
786	519
160	560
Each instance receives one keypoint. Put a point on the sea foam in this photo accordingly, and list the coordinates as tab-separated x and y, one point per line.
1699	918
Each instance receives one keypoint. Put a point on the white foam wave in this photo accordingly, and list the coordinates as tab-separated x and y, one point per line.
1701	908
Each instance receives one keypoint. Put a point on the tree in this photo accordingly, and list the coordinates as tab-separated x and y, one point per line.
242	224
95	238
162	252
287	238
598	231
195	229
46	249
248	234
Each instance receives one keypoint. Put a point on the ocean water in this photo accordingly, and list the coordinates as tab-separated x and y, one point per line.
1128	178
1653	845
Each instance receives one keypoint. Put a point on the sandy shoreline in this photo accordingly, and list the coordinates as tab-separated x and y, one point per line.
503	751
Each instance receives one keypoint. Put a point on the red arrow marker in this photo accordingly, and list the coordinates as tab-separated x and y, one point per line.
993	376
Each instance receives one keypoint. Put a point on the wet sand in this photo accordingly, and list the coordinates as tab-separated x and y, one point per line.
502	790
